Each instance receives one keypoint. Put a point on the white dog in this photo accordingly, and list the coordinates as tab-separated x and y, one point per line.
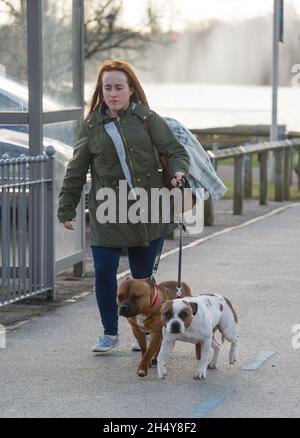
196	319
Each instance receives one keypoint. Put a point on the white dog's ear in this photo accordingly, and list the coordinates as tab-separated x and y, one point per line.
194	307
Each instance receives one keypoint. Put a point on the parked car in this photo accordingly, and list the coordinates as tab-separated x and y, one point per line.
14	97
15	143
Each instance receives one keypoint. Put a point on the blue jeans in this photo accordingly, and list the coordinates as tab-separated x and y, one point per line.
106	263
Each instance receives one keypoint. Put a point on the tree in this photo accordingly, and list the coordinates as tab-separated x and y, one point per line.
13	39
105	35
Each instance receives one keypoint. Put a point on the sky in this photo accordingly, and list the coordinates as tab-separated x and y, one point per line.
192	11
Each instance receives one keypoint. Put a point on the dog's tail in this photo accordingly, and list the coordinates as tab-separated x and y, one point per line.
232	309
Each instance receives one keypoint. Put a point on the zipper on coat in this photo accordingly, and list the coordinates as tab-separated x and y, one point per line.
133	174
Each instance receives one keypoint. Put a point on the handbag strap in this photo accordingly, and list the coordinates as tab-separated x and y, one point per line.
117	140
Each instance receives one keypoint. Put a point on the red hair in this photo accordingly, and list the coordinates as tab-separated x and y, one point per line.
133	82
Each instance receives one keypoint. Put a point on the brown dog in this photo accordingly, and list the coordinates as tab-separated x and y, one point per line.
140	301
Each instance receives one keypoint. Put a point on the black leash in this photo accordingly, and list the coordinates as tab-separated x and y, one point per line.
179	286
157	258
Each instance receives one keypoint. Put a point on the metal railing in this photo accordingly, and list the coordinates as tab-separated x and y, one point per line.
27	256
231	136
283	155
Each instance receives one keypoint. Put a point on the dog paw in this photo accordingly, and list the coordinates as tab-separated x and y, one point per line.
232	360
200	375
142	373
162	376
154	362
161	371
212	366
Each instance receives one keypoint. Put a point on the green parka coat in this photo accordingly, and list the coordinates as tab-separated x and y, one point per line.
94	149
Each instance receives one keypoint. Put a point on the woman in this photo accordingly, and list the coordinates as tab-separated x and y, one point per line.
119	98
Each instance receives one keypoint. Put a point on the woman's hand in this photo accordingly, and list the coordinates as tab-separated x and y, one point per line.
69	225
176	181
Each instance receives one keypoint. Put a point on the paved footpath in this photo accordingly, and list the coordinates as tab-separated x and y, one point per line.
48	369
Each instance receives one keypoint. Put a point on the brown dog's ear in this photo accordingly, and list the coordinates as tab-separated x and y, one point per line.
163	308
166	312
166	306
194	307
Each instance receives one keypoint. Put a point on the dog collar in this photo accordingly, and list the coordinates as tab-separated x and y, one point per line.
155	296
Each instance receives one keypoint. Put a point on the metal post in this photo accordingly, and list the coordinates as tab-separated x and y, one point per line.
78	54
238	190
278	153
50	224
275	61
286	175
35	75
215	147
78	60
248	174
263	178
3	228
209	212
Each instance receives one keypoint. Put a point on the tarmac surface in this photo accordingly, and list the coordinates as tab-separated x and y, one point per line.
48	369
70	288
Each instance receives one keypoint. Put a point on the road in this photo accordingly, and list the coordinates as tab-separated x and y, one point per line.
48	369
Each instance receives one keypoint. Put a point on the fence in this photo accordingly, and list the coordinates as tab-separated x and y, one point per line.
283	168
226	137
27	226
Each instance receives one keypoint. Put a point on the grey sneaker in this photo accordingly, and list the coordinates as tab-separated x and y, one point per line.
106	343
136	346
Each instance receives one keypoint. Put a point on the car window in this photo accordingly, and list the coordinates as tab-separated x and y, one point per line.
7	104
11	150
